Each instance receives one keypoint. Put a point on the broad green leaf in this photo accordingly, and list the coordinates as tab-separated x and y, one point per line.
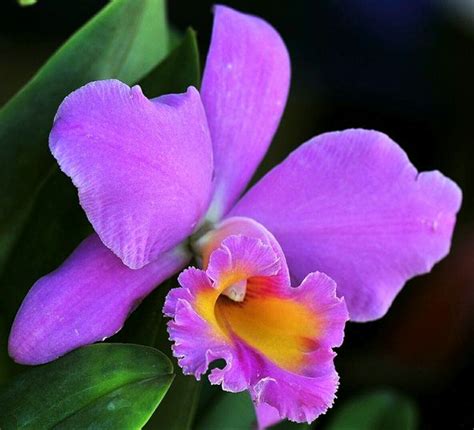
128	407
229	412
106	386
379	410
124	41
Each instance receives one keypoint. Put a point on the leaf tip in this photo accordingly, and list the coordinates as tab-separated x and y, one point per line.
26	2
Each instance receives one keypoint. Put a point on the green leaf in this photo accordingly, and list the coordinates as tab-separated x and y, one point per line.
26	2
106	386
124	41
379	410
127	407
229	412
177	72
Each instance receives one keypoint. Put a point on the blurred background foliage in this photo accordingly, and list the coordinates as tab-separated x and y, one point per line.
404	67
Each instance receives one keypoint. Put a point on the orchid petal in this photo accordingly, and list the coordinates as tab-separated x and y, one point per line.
252	259
234	226
277	342
352	205
267	416
244	91
85	300
143	168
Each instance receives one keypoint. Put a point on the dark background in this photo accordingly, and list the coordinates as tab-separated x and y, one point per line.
405	67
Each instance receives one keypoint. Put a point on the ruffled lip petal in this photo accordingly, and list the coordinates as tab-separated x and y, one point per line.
143	167
277	342
242	256
350	204
319	292
243	226
244	91
297	398
85	300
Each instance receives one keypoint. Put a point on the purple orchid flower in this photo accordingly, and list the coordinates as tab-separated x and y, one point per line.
156	175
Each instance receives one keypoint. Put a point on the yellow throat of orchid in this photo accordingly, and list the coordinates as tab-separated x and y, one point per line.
250	310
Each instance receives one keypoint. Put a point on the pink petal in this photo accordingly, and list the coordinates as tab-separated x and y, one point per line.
143	168
244	91
352	205
245	255
297	397
277	342
236	226
267	416
85	300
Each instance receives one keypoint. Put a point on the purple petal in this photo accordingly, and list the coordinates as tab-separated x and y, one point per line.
193	281
352	205
85	300
277	342
143	168
196	342
297	397
212	240
244	91
243	255
267	416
